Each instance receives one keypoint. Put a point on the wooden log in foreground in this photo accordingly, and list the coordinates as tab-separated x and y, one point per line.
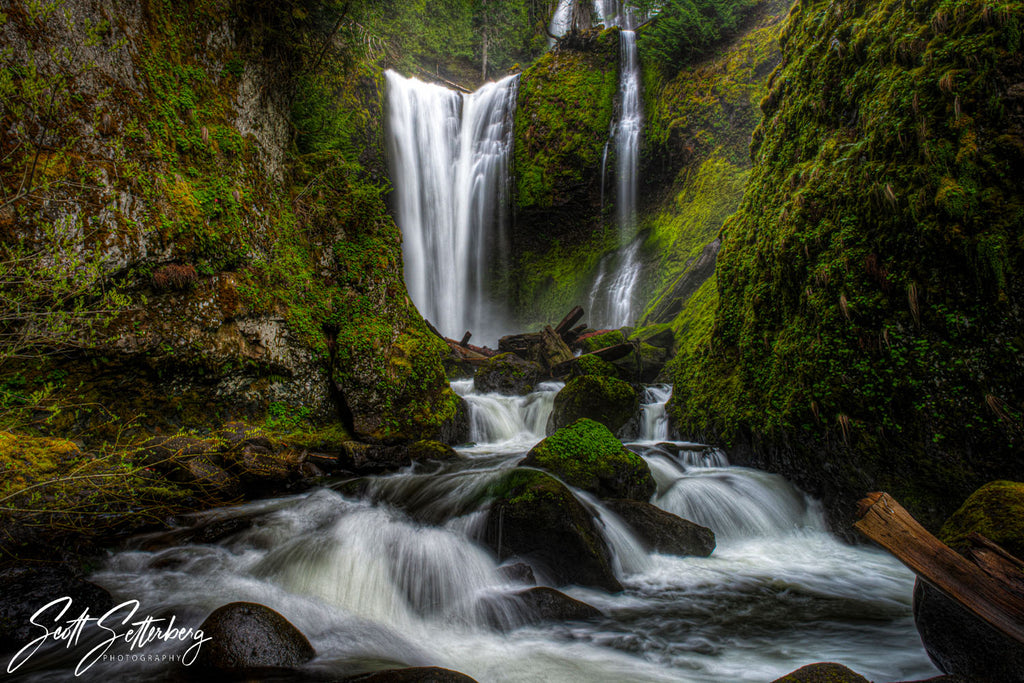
983	590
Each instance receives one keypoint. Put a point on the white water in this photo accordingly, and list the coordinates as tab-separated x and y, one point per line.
448	156
394	577
612	297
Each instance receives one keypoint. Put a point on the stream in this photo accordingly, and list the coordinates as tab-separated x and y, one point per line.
392	575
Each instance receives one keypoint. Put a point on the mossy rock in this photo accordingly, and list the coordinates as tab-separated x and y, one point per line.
589	343
595	366
507	373
824	672
958	642
536	518
996	511
588	456
645	364
431	450
607	400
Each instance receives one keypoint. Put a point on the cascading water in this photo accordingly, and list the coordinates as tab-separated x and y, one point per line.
449	156
392	575
612	297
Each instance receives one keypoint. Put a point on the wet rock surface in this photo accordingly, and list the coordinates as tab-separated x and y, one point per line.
247	638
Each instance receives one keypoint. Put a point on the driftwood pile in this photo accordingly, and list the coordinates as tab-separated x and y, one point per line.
553	347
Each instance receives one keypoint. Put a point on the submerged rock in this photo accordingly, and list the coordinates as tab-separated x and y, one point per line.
507	373
246	637
662	531
607	400
824	672
413	674
588	456
536	606
536	518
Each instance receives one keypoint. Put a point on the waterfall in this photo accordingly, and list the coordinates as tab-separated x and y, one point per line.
448	155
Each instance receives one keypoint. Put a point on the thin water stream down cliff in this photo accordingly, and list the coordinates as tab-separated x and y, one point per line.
394	575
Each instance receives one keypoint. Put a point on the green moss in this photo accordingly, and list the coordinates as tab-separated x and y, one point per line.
587	455
604	399
996	511
596	342
875	253
592	365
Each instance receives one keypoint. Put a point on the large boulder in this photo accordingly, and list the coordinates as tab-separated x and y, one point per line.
662	531
507	373
535	518
590	364
247	638
588	456
607	400
958	642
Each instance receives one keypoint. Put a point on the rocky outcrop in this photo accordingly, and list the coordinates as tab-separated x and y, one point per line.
663	532
830	343
607	400
249	639
587	455
507	373
537	519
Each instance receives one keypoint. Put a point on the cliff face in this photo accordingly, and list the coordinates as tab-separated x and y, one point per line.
868	330
194	225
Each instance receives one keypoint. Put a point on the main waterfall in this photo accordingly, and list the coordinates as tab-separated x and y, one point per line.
448	155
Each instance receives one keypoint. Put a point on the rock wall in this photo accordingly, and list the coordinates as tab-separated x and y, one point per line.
197	252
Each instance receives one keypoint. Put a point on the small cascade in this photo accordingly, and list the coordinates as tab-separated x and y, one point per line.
449	157
561	20
653	413
508	423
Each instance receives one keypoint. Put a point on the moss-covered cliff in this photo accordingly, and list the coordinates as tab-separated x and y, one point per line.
197	195
565	109
697	129
869	332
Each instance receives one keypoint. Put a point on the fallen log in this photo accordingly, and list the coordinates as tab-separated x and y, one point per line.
990	590
608	353
573	335
573	317
465	338
434	330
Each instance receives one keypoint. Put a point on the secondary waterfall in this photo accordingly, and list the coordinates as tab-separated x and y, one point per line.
613	293
448	155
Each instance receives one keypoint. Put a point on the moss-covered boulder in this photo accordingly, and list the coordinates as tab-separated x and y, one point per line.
507	373
957	641
431	450
663	532
607	400
645	364
587	455
996	511
537	519
594	341
593	365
